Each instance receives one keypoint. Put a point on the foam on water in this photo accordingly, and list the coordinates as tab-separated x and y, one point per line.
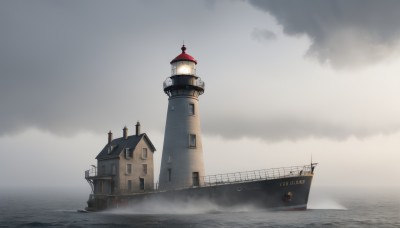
167	207
325	204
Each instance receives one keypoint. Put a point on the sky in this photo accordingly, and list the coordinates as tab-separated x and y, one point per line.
285	80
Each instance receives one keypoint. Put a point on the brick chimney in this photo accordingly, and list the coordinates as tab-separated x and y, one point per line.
125	132
137	128
110	138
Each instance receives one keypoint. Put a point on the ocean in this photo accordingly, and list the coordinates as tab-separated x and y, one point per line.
357	207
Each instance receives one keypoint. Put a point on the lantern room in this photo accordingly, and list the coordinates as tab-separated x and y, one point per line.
183	79
183	64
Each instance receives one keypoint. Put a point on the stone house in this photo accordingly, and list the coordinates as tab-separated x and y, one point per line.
125	165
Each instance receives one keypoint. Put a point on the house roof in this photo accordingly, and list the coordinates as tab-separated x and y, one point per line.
118	145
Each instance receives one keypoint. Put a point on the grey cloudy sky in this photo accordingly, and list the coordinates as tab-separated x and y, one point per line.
275	71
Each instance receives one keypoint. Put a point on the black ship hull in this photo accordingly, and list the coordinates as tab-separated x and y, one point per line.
289	193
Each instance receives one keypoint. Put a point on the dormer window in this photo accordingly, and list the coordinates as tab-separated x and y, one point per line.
110	149
128	153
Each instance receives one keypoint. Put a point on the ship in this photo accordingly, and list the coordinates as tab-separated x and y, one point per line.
124	175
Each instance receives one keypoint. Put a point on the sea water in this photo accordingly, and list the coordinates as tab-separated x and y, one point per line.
351	207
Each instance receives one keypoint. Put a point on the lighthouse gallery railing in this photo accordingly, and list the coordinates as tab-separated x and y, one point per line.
185	80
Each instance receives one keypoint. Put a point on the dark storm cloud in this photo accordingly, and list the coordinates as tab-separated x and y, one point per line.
70	66
66	66
343	33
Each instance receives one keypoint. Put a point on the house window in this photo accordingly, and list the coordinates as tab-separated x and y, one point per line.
128	168
101	186
169	174
128	153
191	109
130	185
141	185
144	153
144	168
192	140
103	169
113	169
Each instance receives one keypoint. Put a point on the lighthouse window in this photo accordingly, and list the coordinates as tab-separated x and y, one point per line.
169	175
191	109
192	140
128	168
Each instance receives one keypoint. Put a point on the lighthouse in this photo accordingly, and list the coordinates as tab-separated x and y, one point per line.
182	162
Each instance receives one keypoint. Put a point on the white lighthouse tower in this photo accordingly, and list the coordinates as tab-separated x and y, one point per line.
182	157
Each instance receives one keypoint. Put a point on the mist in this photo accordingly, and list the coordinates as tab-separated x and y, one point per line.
165	206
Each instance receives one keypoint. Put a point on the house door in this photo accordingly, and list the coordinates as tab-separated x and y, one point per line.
196	181
141	183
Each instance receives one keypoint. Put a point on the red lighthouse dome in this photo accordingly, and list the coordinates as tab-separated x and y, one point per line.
183	64
183	56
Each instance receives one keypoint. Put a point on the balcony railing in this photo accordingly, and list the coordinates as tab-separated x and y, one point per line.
92	172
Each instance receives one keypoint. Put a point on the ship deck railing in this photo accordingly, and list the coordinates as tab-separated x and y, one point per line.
255	175
242	177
